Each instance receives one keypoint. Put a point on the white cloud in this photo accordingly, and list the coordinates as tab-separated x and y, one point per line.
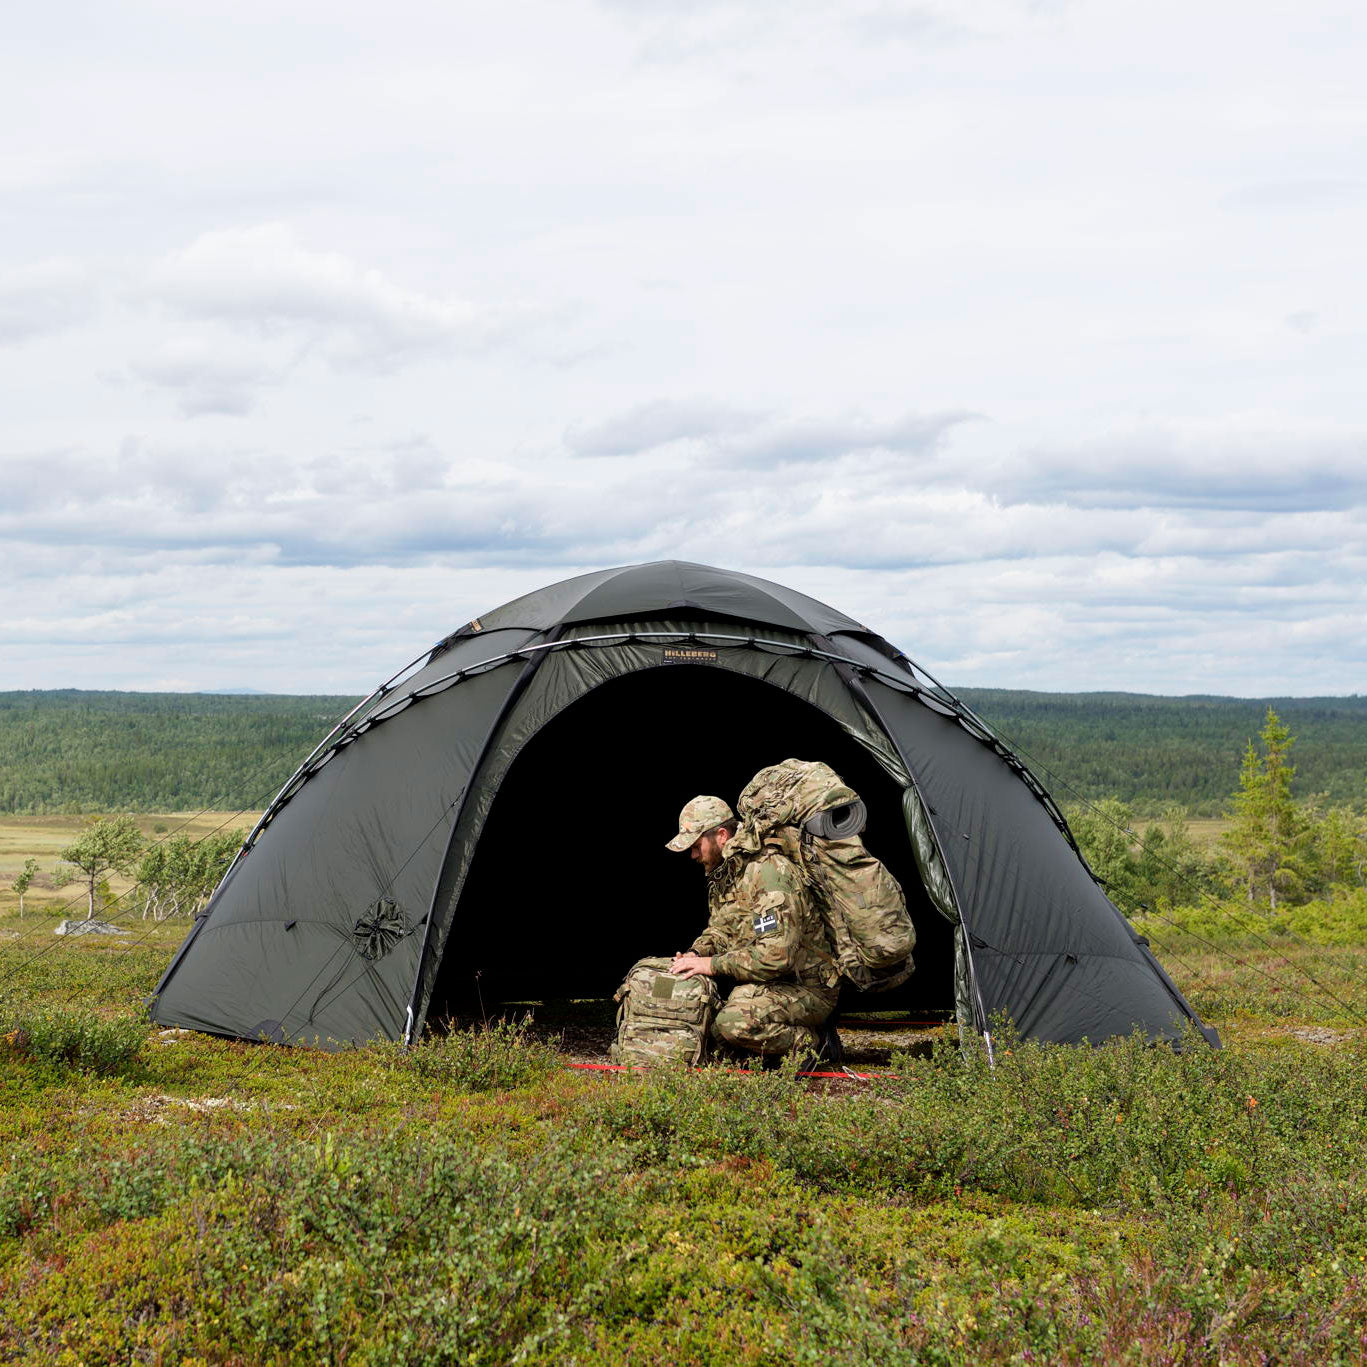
715	432
1238	462
1324	195
43	297
658	423
263	280
253	304
674	30
878	495
1030	333
214	373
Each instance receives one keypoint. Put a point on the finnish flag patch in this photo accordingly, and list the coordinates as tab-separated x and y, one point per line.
764	922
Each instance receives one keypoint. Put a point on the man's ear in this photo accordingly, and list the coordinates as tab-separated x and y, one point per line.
721	835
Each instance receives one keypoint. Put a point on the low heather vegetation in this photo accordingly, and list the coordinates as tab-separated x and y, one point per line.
171	1197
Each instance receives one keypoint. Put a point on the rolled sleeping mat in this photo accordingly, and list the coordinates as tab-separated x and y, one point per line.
840	823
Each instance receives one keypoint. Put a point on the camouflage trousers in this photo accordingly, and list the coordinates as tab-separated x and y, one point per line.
773	1018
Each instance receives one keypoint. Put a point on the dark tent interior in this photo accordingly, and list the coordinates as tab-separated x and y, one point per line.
571	882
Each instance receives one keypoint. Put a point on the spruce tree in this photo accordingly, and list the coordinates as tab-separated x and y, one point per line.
1268	834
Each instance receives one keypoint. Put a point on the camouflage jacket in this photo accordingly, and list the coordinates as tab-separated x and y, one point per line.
763	925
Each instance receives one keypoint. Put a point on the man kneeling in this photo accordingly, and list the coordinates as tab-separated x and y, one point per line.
763	932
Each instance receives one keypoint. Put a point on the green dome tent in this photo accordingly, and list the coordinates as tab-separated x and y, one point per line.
492	821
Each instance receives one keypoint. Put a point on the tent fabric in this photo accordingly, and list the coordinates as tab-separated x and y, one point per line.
371	823
669	586
352	898
1071	968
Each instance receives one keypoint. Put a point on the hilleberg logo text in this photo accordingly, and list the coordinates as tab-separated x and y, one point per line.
689	655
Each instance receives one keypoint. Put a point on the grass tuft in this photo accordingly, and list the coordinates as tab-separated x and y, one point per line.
494	1057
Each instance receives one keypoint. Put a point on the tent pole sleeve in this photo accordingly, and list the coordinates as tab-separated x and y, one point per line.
417	1011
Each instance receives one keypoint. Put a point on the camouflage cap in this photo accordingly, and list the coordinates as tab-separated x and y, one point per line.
701	815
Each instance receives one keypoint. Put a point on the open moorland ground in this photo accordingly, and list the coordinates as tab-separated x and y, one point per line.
167	1197
44	837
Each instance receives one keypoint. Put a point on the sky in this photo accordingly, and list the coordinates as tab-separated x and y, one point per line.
1031	333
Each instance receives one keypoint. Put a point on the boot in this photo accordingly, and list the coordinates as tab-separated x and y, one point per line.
823	1053
829	1049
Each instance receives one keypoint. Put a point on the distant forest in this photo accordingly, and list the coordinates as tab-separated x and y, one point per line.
1153	752
79	751
74	751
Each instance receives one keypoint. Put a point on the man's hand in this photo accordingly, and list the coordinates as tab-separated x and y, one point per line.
691	966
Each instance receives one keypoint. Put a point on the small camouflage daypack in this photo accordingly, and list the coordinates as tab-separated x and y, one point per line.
796	805
663	1018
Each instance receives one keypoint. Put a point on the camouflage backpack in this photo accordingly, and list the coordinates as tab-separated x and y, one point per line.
815	818
663	1018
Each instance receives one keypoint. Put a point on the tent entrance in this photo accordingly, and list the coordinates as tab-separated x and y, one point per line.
571	884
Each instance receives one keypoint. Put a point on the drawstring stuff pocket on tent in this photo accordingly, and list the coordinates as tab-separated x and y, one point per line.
380	929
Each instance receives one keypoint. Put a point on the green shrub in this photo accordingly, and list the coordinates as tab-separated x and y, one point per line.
75	1039
1127	1125
26	1192
735	1264
1192	1290
375	1248
132	1188
1338	919
458	1255
498	1056
387	1249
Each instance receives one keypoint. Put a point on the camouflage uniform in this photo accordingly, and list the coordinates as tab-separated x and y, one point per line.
764	932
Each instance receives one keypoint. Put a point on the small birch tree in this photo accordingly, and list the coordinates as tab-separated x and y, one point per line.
108	845
178	875
24	881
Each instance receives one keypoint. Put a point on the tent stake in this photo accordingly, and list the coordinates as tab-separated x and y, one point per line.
991	1058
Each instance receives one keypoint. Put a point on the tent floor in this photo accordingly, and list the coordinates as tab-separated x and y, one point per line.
584	1029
